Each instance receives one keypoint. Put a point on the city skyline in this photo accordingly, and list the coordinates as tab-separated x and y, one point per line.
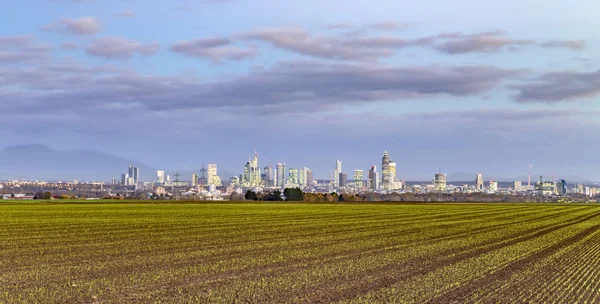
174	84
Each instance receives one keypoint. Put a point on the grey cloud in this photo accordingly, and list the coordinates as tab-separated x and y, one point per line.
22	48
79	26
482	42
301	86
559	86
567	44
214	49
119	48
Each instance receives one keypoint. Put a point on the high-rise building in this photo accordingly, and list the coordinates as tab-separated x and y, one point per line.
280	175
343	180
203	179
160	176
493	186
168	180
439	182
131	173
251	177
309	178
336	174
293	176
517	186
194	179
136	175
479	181
124	179
213	177
302	177
373	179
386	177
562	187
268	176
392	173
358	179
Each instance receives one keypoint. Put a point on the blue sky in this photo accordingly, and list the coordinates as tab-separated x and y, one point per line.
468	86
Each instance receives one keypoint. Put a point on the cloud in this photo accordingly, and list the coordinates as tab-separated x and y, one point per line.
126	14
21	48
79	26
214	49
559	86
288	86
567	44
481	42
119	48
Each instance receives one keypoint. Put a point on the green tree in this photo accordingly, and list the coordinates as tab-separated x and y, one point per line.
250	195
293	194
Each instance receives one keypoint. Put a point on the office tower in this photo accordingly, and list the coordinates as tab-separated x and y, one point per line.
309	178
131	173
293	176
479	181
213	177
168	180
392	174
517	186
136	175
280	175
343	180
562	187
194	179
160	176
302	176
336	174
268	176
373	178
358	179
124	179
493	186
130	181
251	177
439	182
385	171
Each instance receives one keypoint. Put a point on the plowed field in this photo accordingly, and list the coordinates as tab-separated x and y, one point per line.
300	253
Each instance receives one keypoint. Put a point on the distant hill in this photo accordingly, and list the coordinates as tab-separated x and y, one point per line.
43	163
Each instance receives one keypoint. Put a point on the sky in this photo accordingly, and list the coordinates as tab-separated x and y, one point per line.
464	86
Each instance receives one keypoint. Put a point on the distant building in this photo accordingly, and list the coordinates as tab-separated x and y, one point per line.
160	176
213	177
439	182
493	186
293	176
479	182
373	182
358	179
194	179
309	178
252	175
336	174
343	180
268	176
302	177
385	171
124	179
562	187
517	186
136	175
545	187
280	175
160	191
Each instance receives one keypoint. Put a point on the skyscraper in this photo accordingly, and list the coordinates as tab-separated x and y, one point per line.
251	177
293	176
160	176
373	178
309	178
358	179
268	174
280	175
136	175
302	181
479	181
517	186
124	179
392	174
343	180
386	174
213	177
336	174
439	182
561	187
130	172
194	179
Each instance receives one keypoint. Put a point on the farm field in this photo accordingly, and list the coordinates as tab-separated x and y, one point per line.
301	253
